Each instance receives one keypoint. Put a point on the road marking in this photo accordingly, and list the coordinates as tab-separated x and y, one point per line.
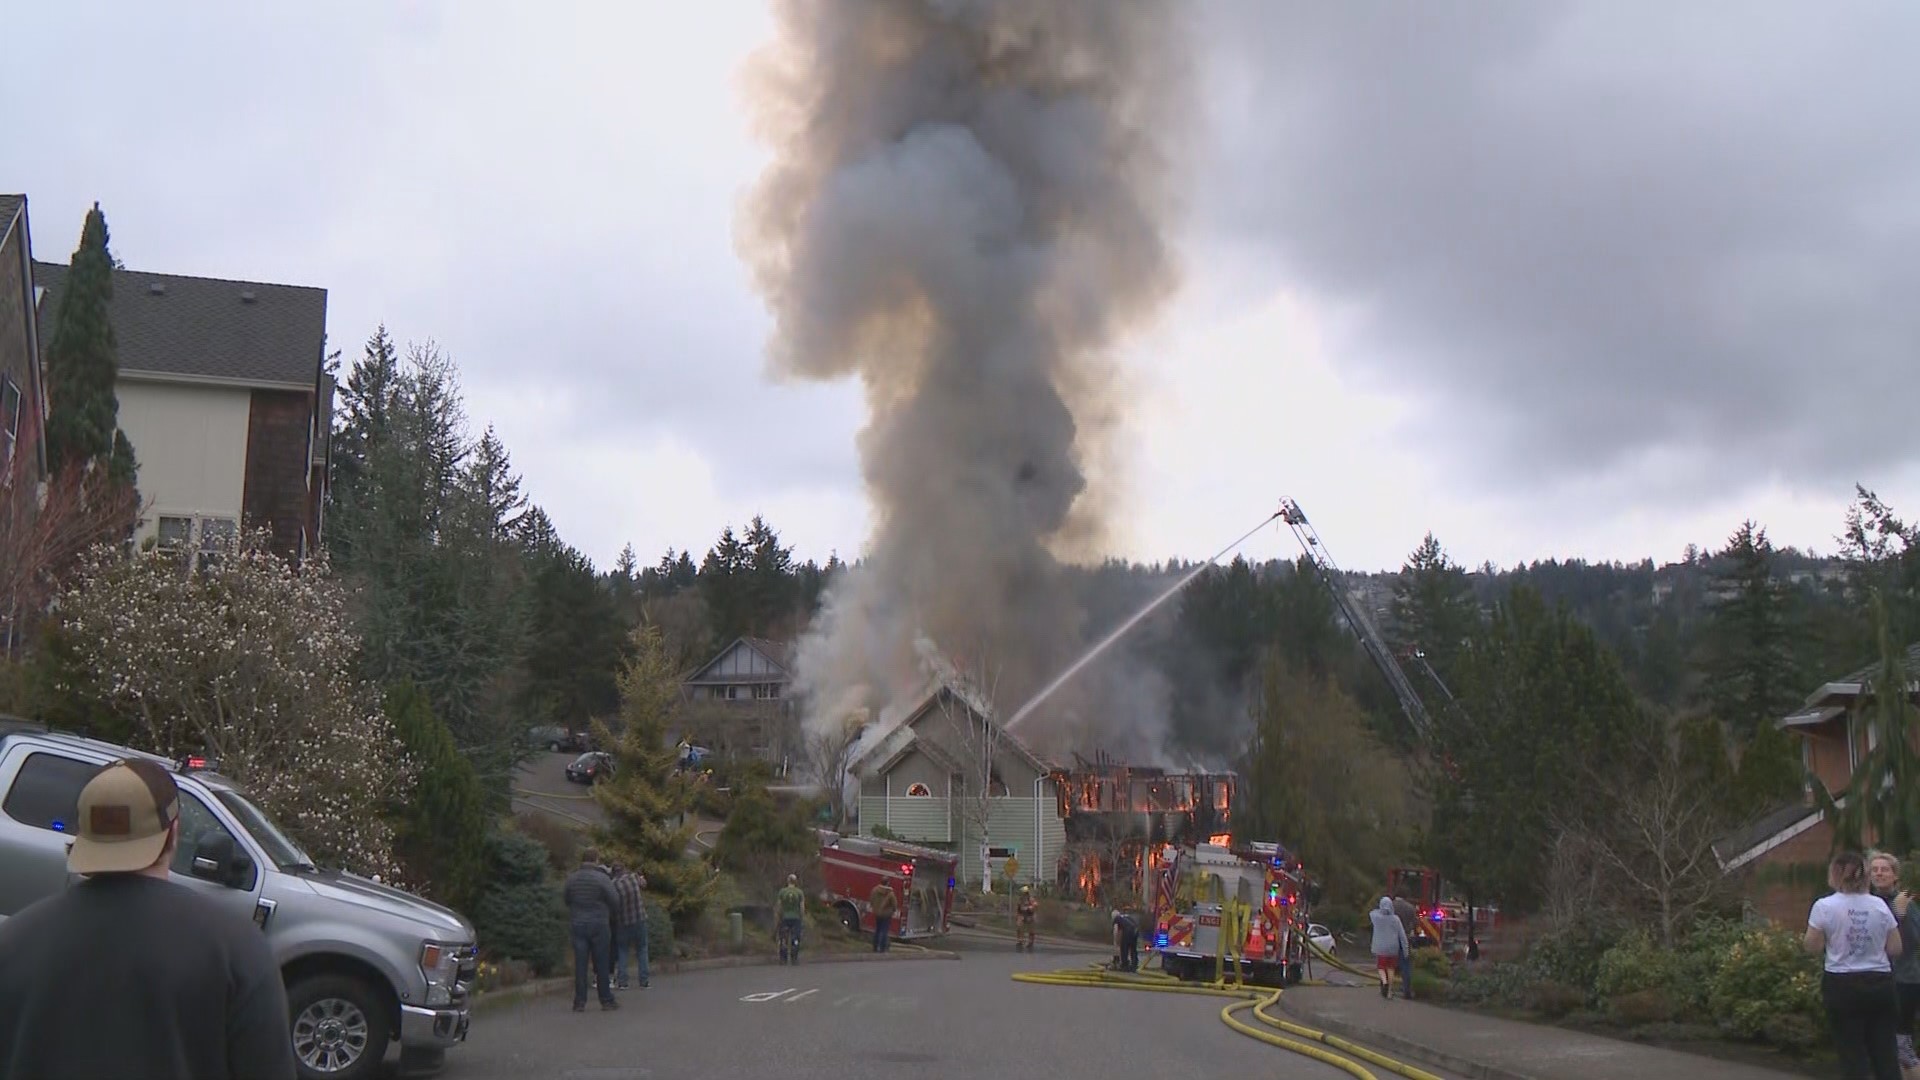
768	996
802	994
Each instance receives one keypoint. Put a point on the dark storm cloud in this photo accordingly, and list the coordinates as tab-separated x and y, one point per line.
1587	237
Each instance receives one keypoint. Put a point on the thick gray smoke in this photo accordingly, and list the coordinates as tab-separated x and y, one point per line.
965	210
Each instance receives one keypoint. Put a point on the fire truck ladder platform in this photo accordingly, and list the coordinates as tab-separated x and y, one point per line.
1333	1050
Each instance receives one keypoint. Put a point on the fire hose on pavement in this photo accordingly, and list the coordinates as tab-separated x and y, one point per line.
1258	1001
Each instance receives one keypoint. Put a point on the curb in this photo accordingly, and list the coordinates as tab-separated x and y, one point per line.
1398	1046
1043	939
540	987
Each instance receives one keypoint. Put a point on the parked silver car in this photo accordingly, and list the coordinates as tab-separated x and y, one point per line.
364	964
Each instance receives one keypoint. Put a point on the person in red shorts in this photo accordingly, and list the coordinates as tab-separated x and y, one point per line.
1389	943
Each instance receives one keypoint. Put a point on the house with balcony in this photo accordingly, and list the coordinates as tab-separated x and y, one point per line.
224	395
946	776
1786	851
739	703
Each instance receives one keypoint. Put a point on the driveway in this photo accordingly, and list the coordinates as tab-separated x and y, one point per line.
540	784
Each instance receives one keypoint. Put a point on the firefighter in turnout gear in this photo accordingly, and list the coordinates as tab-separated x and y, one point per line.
1024	918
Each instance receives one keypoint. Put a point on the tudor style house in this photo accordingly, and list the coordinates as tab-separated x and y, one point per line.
923	778
738	704
224	395
23	405
1794	842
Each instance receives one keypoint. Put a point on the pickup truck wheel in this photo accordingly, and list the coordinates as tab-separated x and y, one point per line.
340	1028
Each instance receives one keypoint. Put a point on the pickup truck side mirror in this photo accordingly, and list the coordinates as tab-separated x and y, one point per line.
216	858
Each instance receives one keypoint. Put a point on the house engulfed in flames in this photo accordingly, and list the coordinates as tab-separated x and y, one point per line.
1114	812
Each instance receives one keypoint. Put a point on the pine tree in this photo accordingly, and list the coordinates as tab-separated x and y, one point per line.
441	833
1433	606
1750	677
83	364
724	584
1883	795
647	799
770	592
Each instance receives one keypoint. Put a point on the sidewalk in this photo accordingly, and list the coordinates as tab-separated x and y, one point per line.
1489	1048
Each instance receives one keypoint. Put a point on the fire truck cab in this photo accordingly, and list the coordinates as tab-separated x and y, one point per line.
1443	918
922	880
1252	899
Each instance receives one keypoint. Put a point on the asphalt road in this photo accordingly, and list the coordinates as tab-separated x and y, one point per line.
871	1021
541	784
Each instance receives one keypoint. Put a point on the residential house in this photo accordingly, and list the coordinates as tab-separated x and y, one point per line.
922	780
738	704
1788	849
224	396
23	454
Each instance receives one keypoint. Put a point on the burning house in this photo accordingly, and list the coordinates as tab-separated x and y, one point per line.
1113	813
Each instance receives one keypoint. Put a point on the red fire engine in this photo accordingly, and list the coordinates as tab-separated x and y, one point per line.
922	880
1447	920
1198	891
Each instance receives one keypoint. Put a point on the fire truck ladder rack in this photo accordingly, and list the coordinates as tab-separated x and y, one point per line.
1343	1054
1356	615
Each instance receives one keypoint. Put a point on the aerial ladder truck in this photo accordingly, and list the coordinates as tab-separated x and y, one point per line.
1422	886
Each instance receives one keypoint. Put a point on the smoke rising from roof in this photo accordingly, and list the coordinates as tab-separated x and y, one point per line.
967	209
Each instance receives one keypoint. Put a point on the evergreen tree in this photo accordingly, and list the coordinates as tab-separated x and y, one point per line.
770	587
647	799
1749	664
1703	755
1771	773
1883	796
441	833
1548	720
1433	606
1882	554
575	636
724	584
756	827
83	364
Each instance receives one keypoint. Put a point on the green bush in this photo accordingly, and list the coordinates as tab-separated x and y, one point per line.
1765	979
1495	983
1554	1000
440	834
520	915
1571	955
1432	963
1636	964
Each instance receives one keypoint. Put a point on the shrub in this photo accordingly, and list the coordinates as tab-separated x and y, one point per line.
1432	963
559	840
1554	1000
1651	1005
1766	981
1634	965
1495	983
1570	955
440	833
520	915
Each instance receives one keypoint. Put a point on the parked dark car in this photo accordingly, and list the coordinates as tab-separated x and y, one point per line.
556	738
590	767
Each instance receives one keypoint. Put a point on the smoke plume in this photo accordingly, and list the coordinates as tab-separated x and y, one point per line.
966	210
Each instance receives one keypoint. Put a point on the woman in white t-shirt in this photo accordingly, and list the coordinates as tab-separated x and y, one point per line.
1859	937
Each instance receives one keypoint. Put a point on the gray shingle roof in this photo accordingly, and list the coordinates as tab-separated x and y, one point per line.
9	205
167	324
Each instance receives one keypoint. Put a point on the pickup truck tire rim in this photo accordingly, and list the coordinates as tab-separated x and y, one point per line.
330	1035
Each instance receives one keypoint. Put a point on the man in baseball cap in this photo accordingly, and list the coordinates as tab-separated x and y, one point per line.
128	973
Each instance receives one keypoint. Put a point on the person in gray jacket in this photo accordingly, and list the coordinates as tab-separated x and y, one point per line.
591	903
1389	943
1883	878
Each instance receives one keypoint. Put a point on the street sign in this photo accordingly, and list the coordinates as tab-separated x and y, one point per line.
1012	867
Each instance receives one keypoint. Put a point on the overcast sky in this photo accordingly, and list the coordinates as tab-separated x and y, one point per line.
1547	278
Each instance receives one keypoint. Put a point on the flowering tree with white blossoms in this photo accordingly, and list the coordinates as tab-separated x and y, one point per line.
234	653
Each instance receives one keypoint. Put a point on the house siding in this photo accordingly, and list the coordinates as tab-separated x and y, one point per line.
191	446
274	495
1786	902
1011	823
18	361
925	821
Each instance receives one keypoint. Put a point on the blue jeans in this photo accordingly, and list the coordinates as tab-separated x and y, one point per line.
633	936
1406	975
592	941
881	924
789	937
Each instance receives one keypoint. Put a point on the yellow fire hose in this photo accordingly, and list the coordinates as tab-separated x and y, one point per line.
1256	1000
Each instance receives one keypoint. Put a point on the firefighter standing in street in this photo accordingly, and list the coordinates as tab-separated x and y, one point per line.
1024	918
791	907
884	903
1126	938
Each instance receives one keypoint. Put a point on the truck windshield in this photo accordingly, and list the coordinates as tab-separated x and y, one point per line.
284	853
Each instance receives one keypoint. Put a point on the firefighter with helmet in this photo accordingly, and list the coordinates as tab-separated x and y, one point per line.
1024	918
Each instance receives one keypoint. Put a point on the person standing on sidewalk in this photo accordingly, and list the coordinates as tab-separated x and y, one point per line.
790	906
883	903
631	935
1859	938
1883	874
592	904
127	973
1389	943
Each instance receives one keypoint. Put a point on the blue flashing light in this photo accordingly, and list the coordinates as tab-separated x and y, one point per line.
59	826
1438	916
1160	940
949	883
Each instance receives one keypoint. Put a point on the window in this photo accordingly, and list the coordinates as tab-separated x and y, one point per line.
197	821
918	791
9	427
46	794
766	691
176	531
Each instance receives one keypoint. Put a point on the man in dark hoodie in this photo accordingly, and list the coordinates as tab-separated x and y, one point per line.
591	904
